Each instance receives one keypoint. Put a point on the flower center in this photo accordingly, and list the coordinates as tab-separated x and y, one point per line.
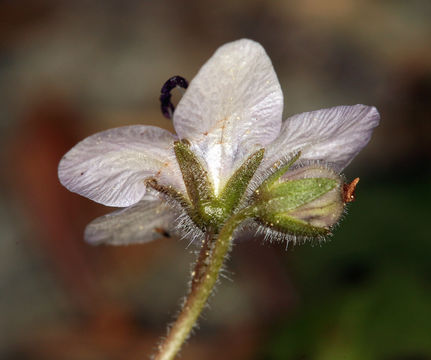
209	210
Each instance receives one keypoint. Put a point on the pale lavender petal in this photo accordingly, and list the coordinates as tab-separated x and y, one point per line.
110	167
147	220
233	103
334	135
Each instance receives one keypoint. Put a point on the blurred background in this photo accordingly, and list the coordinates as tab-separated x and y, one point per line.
69	69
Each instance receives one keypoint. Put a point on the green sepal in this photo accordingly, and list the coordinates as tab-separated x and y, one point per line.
195	176
237	184
292	194
287	224
280	172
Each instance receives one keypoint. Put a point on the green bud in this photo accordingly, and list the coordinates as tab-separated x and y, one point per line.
307	201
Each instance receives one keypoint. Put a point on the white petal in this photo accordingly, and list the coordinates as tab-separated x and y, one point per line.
334	135
233	103
145	221
110	167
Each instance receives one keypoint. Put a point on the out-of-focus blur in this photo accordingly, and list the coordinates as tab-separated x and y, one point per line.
72	68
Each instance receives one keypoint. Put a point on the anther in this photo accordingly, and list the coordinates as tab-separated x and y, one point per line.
165	97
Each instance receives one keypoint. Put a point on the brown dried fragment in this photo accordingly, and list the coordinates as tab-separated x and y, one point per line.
162	232
349	191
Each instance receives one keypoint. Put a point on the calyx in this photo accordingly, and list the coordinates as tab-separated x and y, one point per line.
207	209
305	201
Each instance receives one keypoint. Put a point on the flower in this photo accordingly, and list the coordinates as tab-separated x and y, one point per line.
232	149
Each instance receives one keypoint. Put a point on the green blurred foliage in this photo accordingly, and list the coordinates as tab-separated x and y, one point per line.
366	294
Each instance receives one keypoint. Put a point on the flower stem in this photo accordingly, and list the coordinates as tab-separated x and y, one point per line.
205	276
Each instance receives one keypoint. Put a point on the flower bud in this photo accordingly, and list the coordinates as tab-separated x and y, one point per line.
306	201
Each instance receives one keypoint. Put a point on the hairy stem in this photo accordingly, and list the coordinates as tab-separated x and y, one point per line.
202	261
205	276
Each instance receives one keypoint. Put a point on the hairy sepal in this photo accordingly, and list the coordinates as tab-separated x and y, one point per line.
238	183
207	209
304	202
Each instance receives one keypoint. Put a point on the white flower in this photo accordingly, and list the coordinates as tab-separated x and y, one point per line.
232	108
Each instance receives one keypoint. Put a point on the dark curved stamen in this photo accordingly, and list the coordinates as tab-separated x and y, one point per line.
165	98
